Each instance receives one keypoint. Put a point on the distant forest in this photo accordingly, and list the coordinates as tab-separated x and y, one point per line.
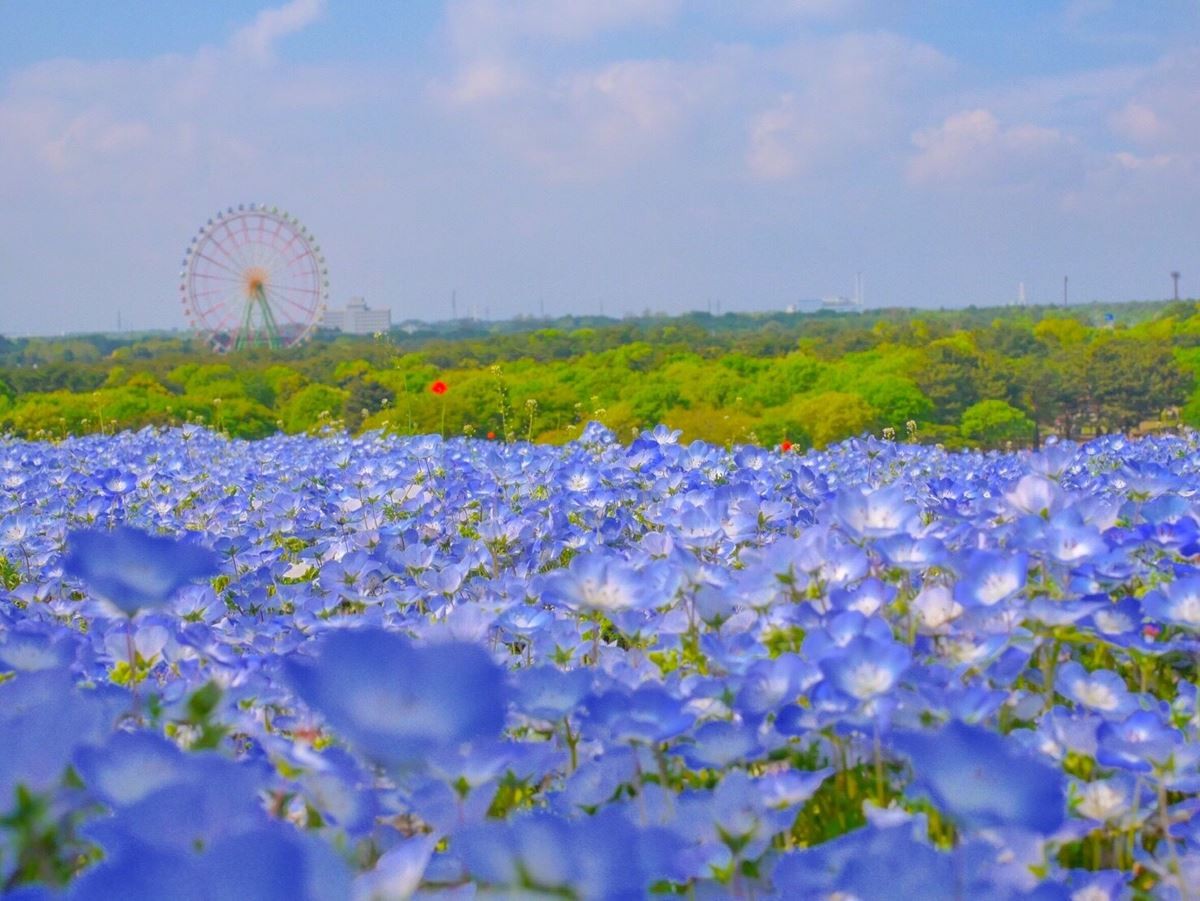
975	377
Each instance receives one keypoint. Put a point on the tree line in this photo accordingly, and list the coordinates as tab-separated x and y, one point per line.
976	377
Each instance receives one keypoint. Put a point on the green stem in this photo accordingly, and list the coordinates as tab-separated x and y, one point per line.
572	743
596	641
1049	666
1164	823
877	747
131	653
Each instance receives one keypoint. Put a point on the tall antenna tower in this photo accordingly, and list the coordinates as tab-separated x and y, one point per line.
1175	279
1021	299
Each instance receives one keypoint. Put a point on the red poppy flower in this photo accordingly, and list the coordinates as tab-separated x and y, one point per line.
785	446
491	436
438	387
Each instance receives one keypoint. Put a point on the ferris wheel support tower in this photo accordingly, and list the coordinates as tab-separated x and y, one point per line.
253	276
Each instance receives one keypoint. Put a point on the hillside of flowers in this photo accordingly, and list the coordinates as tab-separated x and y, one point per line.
373	667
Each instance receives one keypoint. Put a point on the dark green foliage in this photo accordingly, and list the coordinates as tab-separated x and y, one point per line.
364	397
974	376
994	423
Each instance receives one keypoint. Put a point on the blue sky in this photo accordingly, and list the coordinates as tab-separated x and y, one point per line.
622	155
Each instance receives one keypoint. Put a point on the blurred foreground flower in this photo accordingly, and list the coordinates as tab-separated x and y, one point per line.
396	702
599	581
982	781
133	569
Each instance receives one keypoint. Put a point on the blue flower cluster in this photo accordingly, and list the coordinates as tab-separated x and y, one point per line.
383	667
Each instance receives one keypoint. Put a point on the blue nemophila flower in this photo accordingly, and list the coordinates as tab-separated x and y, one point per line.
1036	495
867	598
274	861
866	668
599	581
1177	603
841	630
1112	800
130	766
983	781
597	780
790	788
397	874
872	863
1102	690
332	785
116	482
1097	885
31	647
818	552
646	714
768	684
883	512
43	719
936	608
548	693
1068	539
990	577
765	608
915	554
719	744
734	814
1062	731
1118	623
133	569
395	701
601	856
1140	743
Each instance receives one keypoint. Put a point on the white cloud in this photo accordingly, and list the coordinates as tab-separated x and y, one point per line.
257	40
564	121
777	137
1135	163
581	124
782	10
795	106
843	95
485	25
973	148
1077	12
586	149
115	162
93	133
1163	109
1138	123
485	81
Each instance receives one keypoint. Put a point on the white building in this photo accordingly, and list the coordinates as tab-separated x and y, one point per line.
357	319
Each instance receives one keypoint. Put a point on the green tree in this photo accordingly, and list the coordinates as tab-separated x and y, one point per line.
1132	380
993	423
364	396
832	416
1057	333
652	400
241	417
956	375
896	398
1053	392
312	407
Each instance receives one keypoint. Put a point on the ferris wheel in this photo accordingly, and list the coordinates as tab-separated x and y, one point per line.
253	276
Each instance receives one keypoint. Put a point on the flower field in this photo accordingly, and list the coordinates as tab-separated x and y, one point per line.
371	667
